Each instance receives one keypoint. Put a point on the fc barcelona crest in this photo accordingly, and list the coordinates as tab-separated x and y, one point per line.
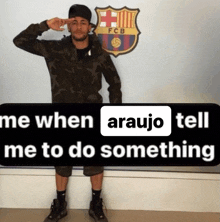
117	29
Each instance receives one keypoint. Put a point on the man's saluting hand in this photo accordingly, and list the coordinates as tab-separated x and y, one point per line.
57	23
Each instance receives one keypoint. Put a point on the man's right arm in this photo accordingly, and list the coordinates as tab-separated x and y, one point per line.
27	39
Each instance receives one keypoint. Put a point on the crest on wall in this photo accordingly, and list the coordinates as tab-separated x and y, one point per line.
117	29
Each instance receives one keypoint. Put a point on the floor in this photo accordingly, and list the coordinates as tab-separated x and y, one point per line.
38	215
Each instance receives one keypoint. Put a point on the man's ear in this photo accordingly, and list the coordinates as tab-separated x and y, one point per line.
90	27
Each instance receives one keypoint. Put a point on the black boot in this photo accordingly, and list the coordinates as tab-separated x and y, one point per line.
57	211
96	211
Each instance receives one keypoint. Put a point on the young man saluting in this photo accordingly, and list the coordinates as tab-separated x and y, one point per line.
76	64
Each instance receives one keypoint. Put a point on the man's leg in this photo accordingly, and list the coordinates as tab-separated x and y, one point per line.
96	177
61	185
96	181
58	207
61	182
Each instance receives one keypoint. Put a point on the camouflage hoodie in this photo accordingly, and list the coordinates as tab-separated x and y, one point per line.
72	81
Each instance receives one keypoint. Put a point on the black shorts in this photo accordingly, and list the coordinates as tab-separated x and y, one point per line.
66	171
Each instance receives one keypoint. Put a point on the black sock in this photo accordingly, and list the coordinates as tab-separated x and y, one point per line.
96	195
61	196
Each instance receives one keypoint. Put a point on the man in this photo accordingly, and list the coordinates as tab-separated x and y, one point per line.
75	64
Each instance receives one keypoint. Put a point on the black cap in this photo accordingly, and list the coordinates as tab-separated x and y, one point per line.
81	11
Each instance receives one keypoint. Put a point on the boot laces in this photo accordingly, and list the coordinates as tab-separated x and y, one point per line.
98	209
55	210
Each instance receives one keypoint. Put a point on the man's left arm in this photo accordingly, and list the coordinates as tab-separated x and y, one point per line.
112	78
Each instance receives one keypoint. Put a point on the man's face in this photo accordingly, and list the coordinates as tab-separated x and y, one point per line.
79	28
